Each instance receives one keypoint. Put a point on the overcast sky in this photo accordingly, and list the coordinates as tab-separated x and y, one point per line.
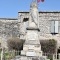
10	8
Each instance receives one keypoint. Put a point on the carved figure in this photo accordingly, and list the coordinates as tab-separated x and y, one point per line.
34	12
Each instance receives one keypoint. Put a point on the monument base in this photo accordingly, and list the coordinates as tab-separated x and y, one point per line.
32	45
31	53
32	58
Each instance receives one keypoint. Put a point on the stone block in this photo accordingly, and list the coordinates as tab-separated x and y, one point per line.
25	48
32	35
23	53
23	58
31	53
47	59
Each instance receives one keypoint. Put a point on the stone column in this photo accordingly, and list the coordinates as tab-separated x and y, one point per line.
2	54
59	56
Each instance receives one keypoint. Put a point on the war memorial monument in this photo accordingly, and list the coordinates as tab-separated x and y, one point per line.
32	27
32	48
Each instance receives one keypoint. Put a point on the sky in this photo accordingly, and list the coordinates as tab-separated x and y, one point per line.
10	8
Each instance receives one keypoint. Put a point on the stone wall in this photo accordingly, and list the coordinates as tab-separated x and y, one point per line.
12	26
8	29
45	19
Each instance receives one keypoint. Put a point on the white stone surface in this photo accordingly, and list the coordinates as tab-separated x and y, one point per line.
31	53
32	24
32	45
23	52
32	35
34	13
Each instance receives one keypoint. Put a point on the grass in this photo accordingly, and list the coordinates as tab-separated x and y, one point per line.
8	55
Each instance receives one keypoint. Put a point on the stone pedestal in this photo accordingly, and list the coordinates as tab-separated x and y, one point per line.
32	45
32	48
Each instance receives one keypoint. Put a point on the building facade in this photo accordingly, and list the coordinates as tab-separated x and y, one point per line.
49	25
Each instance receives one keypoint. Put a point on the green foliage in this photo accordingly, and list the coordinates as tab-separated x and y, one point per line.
15	43
50	56
48	46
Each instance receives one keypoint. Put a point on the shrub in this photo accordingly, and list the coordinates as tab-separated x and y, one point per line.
48	46
15	43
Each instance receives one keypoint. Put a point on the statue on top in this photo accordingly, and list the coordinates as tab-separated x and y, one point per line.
34	12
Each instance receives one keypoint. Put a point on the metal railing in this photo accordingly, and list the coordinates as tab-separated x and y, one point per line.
8	55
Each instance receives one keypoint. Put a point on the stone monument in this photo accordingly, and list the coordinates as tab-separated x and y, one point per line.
32	47
34	17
